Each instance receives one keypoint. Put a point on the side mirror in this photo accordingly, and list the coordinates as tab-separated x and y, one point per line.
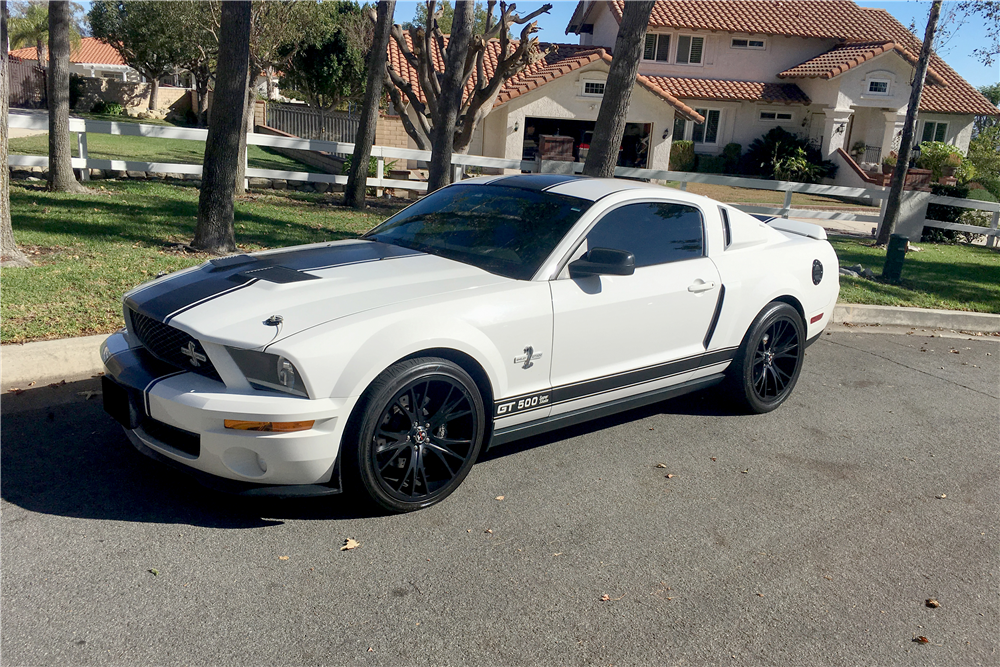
603	261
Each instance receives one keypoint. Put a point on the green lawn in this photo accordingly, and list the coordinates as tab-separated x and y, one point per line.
89	249
730	195
147	149
952	277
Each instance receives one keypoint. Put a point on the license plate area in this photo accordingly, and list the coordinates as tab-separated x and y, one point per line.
121	403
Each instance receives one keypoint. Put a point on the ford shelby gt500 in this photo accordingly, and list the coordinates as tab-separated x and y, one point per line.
493	309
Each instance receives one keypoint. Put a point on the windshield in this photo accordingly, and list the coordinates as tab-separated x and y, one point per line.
503	230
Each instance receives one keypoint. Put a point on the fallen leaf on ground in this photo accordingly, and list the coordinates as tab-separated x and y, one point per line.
154	571
941	497
828	578
661	465
922	640
282	557
670	475
350	544
932	603
488	531
499	497
713	458
371	650
608	598
15	391
745	471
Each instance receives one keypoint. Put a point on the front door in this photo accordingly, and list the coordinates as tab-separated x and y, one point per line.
615	336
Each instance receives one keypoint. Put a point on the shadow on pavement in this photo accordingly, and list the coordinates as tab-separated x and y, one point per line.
63	455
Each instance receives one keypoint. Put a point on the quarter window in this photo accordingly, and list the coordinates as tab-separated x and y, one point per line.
657	47
689	50
934	131
741	43
656	233
707	132
775	115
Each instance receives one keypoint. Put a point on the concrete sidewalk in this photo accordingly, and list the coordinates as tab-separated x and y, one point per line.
70	359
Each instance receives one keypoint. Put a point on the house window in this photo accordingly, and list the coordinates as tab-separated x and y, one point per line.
679	125
878	87
707	132
593	88
775	116
689	50
934	131
742	43
657	48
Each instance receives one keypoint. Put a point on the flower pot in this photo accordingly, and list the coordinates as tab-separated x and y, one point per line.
887	168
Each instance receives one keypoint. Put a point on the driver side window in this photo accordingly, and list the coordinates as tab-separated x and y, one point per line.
656	233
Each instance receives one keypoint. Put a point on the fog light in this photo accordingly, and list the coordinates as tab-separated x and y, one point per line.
274	427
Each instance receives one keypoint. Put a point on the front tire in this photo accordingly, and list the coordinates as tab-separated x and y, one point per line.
769	359
419	431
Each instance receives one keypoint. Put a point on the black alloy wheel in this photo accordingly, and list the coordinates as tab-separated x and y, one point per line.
420	434
769	360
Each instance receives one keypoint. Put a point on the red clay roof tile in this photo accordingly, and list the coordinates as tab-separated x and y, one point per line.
90	50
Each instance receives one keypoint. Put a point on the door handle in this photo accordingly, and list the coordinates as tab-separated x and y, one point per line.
701	287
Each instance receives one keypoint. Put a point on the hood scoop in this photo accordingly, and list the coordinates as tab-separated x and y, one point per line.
277	274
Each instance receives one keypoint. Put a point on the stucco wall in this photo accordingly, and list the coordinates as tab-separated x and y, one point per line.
959	131
562	98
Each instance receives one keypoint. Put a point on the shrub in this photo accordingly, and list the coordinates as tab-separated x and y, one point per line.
890	160
372	169
957	214
682	156
108	108
731	156
936	155
76	86
711	164
788	153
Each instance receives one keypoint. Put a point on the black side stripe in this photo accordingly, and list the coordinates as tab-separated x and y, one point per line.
715	316
571	392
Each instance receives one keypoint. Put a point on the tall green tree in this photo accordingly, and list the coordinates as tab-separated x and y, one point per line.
29	26
198	47
610	127
445	14
357	178
10	254
327	66
906	141
214	230
61	177
983	123
146	34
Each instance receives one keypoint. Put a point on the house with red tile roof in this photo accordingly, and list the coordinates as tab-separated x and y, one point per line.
91	57
727	71
827	70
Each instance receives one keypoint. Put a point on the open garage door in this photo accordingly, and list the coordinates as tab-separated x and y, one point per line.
634	151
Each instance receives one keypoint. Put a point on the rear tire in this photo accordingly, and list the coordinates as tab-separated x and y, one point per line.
769	359
416	434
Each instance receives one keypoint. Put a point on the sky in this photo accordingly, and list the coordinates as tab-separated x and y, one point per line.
957	52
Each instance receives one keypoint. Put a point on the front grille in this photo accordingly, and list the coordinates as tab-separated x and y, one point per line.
172	345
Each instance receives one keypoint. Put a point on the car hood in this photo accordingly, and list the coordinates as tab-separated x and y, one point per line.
229	300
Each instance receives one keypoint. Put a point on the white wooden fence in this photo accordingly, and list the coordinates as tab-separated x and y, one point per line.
461	162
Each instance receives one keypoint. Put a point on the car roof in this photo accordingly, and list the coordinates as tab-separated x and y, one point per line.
582	187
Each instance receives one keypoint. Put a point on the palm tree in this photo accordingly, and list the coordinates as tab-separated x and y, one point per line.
31	28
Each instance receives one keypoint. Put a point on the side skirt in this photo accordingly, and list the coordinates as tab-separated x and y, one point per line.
511	433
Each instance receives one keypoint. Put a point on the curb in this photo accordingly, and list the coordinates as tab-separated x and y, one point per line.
956	320
73	359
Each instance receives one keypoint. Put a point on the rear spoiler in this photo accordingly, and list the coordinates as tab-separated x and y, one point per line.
794	226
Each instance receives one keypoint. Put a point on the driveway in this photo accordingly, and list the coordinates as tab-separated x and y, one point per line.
809	536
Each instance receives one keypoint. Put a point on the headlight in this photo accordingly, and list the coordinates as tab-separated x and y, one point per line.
271	371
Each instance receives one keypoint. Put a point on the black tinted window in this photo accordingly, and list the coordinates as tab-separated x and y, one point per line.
654	233
503	230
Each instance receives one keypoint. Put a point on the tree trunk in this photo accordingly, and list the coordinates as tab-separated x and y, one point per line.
10	254
610	128
42	53
905	143
214	232
61	177
154	92
450	100
269	72
354	193
241	167
201	88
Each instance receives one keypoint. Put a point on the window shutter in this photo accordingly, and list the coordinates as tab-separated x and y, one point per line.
683	49
663	48
697	48
649	50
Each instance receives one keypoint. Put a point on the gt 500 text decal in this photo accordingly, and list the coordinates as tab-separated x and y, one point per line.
507	408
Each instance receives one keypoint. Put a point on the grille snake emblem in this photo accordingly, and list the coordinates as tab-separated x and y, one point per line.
191	351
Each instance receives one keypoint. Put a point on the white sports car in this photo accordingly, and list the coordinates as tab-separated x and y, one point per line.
494	309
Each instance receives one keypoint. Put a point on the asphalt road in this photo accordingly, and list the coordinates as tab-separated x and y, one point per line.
810	536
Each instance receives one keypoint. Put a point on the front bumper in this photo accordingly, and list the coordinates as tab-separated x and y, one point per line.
179	417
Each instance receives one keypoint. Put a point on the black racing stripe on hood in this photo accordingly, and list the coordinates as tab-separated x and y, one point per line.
170	297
